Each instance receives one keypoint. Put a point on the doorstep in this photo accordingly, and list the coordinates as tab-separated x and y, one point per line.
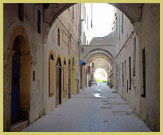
19	126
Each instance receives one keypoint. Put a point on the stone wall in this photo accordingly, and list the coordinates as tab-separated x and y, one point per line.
37	48
11	24
66	51
150	40
147	34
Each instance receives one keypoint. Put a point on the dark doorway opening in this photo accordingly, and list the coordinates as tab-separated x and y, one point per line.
58	69
144	73
18	113
69	79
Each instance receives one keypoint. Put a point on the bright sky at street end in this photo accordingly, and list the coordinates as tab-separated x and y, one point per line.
103	14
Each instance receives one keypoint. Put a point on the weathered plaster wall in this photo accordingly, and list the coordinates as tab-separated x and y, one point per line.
110	39
67	50
11	22
150	39
40	102
147	33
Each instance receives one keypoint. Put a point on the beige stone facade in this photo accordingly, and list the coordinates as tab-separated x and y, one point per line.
43	53
134	48
138	84
68	25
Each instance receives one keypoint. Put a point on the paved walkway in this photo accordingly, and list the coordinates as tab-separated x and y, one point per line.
96	109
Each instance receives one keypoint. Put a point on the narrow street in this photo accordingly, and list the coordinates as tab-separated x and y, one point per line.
96	109
53	52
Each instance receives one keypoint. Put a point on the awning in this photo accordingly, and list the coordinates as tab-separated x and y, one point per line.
82	62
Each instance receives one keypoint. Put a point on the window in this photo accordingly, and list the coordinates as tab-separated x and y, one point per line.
85	13
87	22
58	37
129	72
134	57
144	73
83	38
122	22
119	30
80	27
127	86
33	75
21	12
91	15
125	71
125	75
122	75
39	21
73	12
115	25
80	21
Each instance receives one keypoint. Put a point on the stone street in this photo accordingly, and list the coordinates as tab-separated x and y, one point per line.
96	109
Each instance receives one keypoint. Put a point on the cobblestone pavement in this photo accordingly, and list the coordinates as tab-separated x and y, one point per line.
96	109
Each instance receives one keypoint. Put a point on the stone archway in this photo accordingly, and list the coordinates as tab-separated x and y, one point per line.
51	11
91	51
97	55
132	10
19	70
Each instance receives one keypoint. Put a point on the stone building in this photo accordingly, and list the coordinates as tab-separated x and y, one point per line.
43	68
133	46
62	50
137	63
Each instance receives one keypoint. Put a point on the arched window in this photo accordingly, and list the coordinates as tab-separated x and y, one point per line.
134	56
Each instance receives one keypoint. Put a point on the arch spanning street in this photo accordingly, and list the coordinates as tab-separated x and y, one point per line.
48	69
90	51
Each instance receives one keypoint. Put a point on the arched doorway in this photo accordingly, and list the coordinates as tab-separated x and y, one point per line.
58	81
69	79
73	76
19	69
20	94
